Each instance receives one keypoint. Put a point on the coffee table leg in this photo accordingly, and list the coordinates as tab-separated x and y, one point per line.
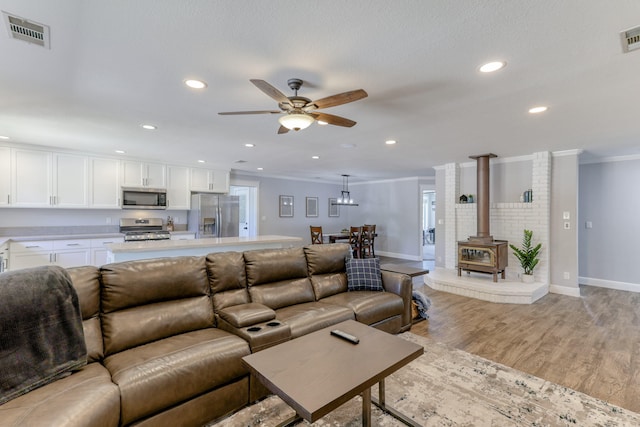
366	408
380	403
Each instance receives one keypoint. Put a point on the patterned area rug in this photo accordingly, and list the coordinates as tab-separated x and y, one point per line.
449	387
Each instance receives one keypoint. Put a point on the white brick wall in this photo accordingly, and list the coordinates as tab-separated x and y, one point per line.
508	220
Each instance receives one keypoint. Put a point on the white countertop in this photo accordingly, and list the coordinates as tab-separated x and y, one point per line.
169	245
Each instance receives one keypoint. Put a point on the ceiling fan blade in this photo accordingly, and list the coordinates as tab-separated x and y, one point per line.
339	99
271	91
333	120
230	113
282	129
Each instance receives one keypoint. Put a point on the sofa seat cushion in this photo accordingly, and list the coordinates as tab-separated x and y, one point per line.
369	306
164	373
87	398
309	317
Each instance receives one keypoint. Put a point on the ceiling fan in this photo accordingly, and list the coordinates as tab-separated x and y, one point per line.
300	112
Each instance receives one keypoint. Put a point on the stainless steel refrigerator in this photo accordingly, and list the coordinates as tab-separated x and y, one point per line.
213	215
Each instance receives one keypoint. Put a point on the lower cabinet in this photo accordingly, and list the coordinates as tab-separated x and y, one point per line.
99	251
65	253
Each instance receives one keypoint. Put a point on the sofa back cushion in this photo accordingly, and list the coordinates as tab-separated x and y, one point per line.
278	277
227	279
326	264
86	281
147	300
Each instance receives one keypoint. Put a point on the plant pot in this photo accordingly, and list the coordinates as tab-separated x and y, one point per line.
527	278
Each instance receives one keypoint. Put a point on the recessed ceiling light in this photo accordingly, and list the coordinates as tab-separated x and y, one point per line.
149	127
120	151
4	137
390	141
249	145
322	122
201	161
195	84
260	169
490	67
315	157
540	109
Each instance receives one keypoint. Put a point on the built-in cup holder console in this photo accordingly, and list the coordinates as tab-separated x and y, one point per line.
271	324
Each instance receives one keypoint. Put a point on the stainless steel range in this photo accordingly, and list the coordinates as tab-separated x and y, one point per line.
141	229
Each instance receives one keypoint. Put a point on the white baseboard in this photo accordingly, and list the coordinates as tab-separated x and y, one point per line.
401	256
610	284
565	290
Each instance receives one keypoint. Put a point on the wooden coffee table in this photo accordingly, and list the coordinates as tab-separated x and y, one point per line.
316	373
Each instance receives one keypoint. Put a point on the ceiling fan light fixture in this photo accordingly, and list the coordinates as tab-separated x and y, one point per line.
296	121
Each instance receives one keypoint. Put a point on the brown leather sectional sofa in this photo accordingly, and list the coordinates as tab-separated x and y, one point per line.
165	337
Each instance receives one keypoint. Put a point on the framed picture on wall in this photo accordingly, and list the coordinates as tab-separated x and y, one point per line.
334	210
312	206
286	206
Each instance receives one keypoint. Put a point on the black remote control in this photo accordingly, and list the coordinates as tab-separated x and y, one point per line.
345	336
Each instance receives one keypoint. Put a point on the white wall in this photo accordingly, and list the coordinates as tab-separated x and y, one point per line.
609	200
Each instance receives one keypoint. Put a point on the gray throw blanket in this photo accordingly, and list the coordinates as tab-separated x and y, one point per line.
41	337
422	303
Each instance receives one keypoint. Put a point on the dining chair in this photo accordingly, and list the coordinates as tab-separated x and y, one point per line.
355	233
372	239
366	241
316	235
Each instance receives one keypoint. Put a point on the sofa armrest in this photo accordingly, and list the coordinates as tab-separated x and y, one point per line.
401	285
240	316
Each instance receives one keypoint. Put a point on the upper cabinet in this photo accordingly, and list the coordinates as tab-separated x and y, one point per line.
32	181
104	181
209	180
140	174
44	179
5	176
70	183
178	193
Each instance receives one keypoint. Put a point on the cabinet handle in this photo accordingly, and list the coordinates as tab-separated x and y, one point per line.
32	246
8	199
73	244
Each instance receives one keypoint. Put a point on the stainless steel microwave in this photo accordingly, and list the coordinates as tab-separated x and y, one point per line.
144	198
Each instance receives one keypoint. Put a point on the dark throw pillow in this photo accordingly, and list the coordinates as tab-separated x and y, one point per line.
364	274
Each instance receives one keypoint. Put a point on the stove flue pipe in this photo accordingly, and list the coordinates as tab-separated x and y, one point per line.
483	199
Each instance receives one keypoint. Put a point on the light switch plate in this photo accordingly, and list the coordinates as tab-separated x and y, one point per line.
566	215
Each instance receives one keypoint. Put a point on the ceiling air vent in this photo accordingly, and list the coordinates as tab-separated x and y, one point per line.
28	31
630	39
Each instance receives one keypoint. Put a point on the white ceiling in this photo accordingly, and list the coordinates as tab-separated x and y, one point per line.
114	65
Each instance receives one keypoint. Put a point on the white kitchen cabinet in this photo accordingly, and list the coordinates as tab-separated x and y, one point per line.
209	180
45	179
5	176
104	183
140	174
178	193
99	251
70	181
35	253
31	183
4	256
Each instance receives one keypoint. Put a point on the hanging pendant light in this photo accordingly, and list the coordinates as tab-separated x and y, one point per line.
345	196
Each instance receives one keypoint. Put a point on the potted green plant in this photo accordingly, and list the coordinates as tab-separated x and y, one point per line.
527	255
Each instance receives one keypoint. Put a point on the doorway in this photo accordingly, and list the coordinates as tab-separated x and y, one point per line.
248	212
428	225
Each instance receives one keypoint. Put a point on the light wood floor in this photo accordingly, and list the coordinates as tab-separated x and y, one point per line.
590	344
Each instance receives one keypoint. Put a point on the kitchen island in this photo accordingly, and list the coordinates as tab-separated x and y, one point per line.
130	251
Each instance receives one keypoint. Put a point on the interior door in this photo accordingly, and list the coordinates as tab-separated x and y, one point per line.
244	214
